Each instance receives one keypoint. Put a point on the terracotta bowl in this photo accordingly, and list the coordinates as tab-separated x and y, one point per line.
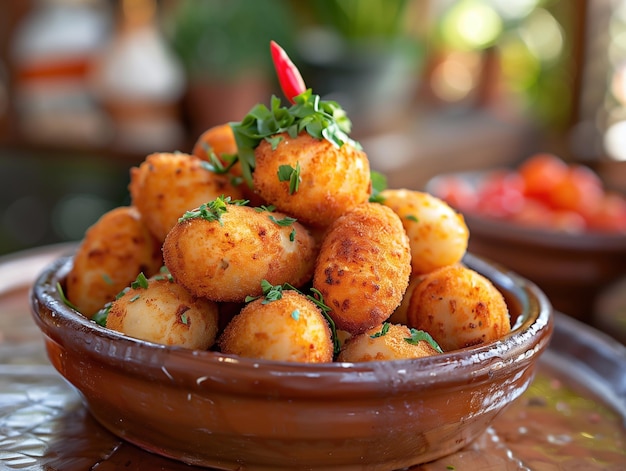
571	269
209	409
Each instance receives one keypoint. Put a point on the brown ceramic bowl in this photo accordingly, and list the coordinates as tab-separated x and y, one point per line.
571	269
216	410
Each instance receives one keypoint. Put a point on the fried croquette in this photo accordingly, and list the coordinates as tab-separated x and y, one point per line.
115	249
458	307
218	140
385	342
291	328
226	257
318	181
363	267
166	185
437	233
164	312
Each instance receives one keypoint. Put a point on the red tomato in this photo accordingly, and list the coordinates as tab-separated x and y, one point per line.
535	213
541	173
501	195
610	215
457	192
568	221
581	191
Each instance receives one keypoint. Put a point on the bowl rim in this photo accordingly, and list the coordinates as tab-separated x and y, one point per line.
493	227
529	337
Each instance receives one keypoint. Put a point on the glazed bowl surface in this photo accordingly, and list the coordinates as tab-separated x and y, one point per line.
224	412
572	269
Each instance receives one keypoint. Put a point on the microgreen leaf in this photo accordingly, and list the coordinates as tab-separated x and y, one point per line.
213	210
101	316
383	331
419	335
65	300
215	164
290	174
140	282
260	209
286	221
379	184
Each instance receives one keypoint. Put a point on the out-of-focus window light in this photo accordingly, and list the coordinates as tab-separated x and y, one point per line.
453	79
471	24
531	48
614	137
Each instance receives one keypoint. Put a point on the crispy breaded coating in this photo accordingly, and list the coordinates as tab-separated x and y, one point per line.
332	179
218	139
164	312
226	259
437	233
399	315
291	328
113	252
378	344
458	307
363	267
166	185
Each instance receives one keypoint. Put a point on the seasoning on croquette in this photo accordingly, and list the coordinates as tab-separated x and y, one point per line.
363	267
458	307
287	328
224	249
388	342
312	179
302	160
161	311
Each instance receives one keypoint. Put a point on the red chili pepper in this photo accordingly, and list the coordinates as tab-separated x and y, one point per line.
289	77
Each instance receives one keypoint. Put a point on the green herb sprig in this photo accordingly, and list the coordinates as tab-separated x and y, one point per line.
322	119
379	184
213	210
418	336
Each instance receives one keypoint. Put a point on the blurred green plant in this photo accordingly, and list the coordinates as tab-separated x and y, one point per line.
356	20
227	38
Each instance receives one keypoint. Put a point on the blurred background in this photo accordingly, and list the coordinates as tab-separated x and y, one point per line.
88	88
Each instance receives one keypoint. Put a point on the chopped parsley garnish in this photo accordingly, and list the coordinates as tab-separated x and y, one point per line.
411	217
66	301
100	317
379	183
287	173
284	222
419	335
273	293
164	274
215	164
184	319
383	331
213	210
295	314
322	119
107	279
260	209
140	282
